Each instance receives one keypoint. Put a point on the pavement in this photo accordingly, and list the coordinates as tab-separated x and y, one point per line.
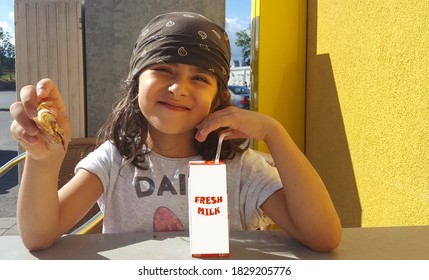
8	226
8	182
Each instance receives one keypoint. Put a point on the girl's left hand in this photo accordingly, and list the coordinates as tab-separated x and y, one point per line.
240	123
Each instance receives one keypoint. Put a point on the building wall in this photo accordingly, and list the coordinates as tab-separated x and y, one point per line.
111	29
240	75
278	63
367	108
49	44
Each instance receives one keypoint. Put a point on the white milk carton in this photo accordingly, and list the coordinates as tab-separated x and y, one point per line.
208	209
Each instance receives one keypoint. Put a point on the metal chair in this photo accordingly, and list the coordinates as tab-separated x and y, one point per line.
77	150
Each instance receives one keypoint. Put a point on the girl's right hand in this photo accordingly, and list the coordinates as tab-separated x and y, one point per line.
25	130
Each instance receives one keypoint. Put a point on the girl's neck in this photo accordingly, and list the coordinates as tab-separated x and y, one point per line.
172	145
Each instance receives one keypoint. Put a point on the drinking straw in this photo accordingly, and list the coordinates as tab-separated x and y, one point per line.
219	145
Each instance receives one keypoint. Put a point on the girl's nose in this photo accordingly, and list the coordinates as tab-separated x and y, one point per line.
179	88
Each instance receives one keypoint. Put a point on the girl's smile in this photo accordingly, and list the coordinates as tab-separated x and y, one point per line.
172	106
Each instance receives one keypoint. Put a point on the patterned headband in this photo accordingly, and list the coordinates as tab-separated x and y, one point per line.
187	38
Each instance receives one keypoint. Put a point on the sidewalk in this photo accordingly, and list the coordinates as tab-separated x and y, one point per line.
8	226
7	143
7	146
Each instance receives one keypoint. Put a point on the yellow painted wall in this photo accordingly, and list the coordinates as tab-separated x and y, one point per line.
278	63
367	121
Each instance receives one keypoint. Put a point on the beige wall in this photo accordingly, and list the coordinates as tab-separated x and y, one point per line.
49	44
367	109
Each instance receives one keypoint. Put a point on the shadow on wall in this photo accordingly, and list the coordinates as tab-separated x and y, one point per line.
326	141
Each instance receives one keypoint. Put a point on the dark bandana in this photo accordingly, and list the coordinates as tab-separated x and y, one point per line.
183	37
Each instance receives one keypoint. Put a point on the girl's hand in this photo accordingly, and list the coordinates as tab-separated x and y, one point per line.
25	130
240	123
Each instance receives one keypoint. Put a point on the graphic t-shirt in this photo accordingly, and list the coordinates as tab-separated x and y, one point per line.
156	199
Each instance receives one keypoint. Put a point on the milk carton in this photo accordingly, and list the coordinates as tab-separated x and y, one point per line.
208	209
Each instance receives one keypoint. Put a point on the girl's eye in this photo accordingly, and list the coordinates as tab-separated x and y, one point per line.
163	69
202	79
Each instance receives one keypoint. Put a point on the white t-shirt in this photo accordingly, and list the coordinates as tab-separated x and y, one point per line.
155	199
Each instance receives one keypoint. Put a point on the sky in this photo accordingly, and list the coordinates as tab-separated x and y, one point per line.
238	17
6	17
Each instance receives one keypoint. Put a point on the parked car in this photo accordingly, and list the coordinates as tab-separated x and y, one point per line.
240	96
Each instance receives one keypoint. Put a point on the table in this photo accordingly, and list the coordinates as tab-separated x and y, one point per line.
387	243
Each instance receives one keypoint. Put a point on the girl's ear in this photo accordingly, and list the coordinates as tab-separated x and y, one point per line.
221	100
226	96
216	102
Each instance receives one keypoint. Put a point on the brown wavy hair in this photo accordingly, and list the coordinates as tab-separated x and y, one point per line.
127	128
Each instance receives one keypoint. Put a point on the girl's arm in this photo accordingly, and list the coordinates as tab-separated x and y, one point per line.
303	208
43	212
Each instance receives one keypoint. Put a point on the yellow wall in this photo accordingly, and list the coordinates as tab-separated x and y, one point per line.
367	121
278	63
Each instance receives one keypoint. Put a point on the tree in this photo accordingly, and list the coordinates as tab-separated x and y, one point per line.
244	41
7	54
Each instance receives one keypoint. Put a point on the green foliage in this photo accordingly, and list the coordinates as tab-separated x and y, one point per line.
7	56
244	41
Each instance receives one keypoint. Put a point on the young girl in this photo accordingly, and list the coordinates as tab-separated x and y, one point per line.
171	109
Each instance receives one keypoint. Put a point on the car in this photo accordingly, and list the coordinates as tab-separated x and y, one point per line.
240	96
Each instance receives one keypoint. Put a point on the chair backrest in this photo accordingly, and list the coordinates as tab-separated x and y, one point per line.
78	149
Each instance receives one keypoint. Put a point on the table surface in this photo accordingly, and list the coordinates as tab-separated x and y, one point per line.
387	243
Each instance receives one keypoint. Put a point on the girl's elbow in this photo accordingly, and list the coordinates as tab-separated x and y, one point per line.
329	241
35	243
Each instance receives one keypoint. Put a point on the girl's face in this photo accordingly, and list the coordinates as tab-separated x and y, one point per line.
174	98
